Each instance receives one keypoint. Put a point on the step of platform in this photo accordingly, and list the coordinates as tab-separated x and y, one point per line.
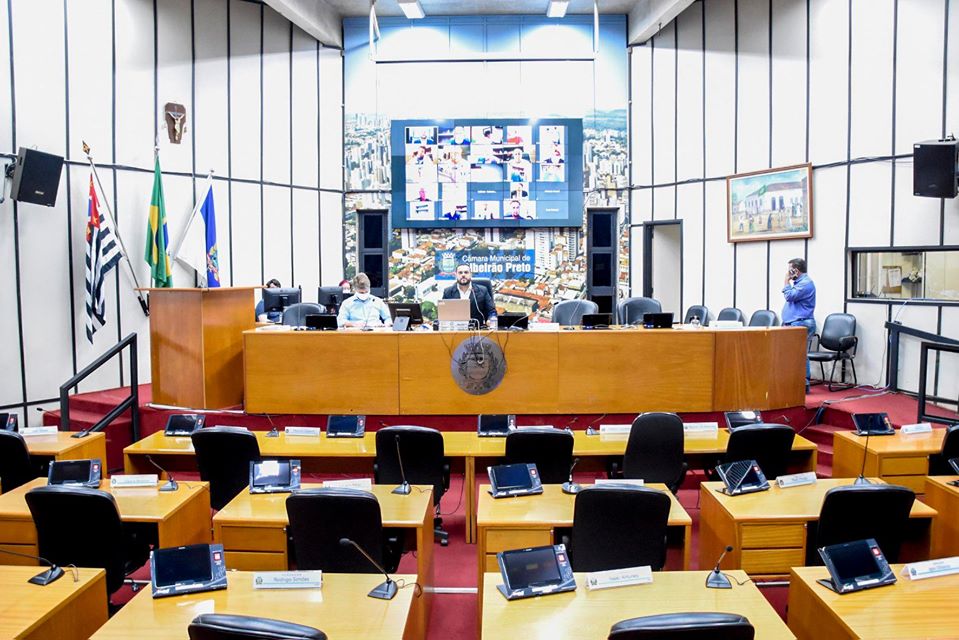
117	432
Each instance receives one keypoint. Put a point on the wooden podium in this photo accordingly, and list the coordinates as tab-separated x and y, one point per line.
196	345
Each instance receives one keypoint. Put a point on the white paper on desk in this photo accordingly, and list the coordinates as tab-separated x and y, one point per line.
363	484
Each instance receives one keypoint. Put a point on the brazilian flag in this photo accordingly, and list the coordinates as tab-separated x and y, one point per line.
158	239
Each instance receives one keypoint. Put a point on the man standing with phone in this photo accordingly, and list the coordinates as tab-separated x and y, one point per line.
800	308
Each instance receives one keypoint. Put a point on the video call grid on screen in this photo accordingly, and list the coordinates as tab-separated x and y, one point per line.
487	173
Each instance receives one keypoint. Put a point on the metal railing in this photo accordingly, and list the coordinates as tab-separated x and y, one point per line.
924	350
131	402
896	330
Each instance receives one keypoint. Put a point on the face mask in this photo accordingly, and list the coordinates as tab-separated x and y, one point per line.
363	296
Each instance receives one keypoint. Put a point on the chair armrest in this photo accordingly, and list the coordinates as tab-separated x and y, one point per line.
446	476
847	343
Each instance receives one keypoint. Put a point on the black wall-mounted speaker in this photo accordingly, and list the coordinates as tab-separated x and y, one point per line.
36	177
373	248
935	168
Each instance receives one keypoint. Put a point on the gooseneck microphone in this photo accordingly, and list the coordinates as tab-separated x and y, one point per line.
171	484
716	578
569	486
862	469
44	577
404	488
383	591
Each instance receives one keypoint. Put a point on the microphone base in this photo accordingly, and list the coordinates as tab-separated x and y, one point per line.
861	480
384	591
272	433
169	485
80	434
50	575
591	431
718	580
402	490
572	488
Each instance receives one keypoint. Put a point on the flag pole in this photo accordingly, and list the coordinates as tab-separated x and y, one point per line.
123	250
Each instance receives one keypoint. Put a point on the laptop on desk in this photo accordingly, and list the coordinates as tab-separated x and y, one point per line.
454	315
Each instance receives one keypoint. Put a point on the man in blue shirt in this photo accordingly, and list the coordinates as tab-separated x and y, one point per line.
362	310
800	309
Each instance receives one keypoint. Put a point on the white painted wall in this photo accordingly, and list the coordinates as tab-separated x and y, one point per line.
263	102
740	88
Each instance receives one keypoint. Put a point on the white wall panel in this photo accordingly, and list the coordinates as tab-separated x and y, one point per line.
919	73
828	87
689	105
174	80
132	206
636	261
690	210
245	89
305	111
871	204
719	253
720	89
246	235
826	249
917	219
210	111
331	234
640	144
872	24
38	39
331	119
750	277
277	240
753	98
871	353
789	82
276	98
135	113
6	106
10	388
90	52
664	106
664	203
924	319
306	248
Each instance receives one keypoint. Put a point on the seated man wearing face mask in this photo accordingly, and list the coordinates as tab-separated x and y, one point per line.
363	309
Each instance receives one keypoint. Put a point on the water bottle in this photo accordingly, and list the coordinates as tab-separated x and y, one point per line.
694	323
492	322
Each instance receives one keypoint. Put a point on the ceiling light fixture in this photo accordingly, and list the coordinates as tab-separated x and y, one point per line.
412	9
557	8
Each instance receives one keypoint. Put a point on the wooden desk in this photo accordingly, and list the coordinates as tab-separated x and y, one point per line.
768	529
530	521
181	517
907	609
408	373
699	450
588	615
341	609
62	447
898	459
65	610
944	498
252	530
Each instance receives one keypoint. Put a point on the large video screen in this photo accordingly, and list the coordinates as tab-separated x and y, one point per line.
487	173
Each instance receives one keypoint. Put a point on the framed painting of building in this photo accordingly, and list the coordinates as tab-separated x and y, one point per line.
772	204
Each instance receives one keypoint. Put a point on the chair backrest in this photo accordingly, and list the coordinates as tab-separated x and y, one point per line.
619	527
551	450
836	327
700	312
223	455
654	452
15	468
764	318
732	313
569	313
79	526
295	314
684	626
224	626
423	457
631	310
768	444
319	518
486	283
939	463
856	512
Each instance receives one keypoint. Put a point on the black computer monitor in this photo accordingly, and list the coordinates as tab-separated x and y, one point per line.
331	298
412	309
277	299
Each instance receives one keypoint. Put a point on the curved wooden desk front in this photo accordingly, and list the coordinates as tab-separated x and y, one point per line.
616	371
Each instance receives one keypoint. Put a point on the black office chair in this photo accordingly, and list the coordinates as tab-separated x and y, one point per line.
733	314
764	318
939	462
654	451
769	445
837	344
569	313
82	527
295	314
698	311
631	310
424	462
551	450
856	512
320	518
223	455
685	626
224	626
486	283
15	466
615	527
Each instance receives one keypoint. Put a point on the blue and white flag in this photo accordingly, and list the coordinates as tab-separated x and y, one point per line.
197	249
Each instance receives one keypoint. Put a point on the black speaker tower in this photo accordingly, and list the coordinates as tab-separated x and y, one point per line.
602	256
372	256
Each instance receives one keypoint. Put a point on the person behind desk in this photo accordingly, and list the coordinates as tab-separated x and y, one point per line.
800	308
272	283
362	309
481	305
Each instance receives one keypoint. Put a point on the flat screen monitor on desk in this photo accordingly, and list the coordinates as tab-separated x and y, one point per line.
412	309
331	298
277	299
736	419
854	566
874	424
196	567
8	422
74	473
